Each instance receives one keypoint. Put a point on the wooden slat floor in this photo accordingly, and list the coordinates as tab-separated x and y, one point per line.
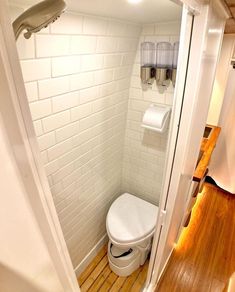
98	277
204	258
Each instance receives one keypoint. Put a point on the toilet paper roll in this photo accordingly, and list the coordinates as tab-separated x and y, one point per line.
156	118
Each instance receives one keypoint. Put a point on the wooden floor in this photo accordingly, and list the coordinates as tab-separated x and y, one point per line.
204	258
99	277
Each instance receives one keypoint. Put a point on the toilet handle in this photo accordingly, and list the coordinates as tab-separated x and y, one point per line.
126	253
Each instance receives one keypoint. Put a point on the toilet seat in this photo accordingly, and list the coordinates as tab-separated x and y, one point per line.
130	221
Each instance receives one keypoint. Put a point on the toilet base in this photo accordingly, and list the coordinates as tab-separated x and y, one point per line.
124	262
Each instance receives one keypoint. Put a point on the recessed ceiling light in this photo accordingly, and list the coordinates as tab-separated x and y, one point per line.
134	1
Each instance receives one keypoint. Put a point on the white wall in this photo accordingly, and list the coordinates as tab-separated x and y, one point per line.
221	79
145	150
25	264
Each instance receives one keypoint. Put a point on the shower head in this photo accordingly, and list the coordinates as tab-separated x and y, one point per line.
38	17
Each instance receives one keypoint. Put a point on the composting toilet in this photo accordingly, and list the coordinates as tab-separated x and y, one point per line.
130	225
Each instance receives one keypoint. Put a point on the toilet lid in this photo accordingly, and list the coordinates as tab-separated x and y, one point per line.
130	219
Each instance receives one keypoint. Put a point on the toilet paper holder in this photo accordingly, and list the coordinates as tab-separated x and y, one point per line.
156	118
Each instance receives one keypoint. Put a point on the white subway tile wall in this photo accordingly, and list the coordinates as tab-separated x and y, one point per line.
78	75
145	150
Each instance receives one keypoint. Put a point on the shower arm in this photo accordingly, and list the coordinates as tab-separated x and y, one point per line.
37	17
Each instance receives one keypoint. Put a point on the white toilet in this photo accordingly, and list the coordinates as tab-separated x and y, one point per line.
130	225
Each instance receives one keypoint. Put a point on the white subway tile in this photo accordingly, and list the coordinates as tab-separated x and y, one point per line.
133	30
91	62
90	145
136	82
70	179
67	158
168	28
50	180
175	38
103	76
83	159
56	121
148	29
116	28
82	44
36	69
108	89
137	57
40	109
68	23
31	91
82	80
123	84
38	127
88	122
126	45
138	105
136	93
53	86
169	97
52	45
66	132
128	59
83	137
106	45
26	49
94	26
122	72
111	61
138	167
65	65
59	149
44	157
136	70
62	173
157	39
89	94
81	111
119	96
56	189
154	96
46	141
101	104
65	101
52	167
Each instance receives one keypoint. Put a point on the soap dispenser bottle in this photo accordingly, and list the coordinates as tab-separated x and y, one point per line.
147	72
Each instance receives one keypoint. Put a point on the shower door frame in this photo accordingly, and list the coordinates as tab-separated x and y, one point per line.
209	19
164	211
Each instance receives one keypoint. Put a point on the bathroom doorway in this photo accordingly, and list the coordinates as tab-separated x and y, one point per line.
87	113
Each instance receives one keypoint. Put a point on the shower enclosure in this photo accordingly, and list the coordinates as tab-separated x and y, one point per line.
87	105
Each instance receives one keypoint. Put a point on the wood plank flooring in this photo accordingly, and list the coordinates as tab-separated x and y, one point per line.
99	277
204	258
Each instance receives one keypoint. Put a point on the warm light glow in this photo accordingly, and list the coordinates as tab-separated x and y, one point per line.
134	1
185	234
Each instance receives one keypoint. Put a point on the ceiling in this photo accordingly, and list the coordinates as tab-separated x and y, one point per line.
147	11
230	25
